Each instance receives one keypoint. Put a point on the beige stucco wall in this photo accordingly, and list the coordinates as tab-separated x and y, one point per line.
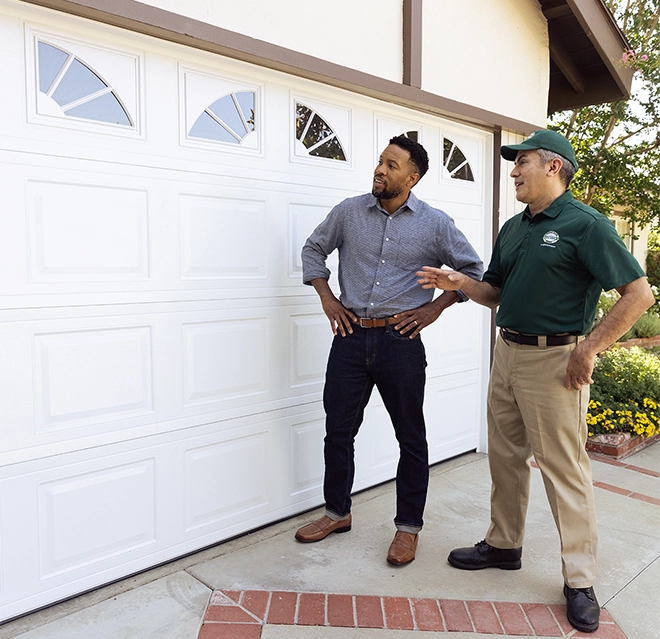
364	35
490	54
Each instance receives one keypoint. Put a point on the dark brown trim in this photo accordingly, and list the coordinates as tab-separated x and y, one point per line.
606	37
165	25
412	43
497	175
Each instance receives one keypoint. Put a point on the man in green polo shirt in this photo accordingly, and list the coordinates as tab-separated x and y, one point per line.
548	267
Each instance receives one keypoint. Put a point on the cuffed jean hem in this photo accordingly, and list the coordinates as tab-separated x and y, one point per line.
334	516
413	530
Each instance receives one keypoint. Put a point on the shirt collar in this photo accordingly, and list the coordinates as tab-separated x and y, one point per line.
412	203
555	208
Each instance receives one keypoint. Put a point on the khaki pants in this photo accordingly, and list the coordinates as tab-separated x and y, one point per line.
531	412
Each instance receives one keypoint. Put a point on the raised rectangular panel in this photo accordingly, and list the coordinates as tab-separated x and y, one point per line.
453	412
303	219
454	344
84	233
92	516
383	443
95	376
226	479
223	238
306	456
225	360
311	338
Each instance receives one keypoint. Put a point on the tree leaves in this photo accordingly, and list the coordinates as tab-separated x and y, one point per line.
618	144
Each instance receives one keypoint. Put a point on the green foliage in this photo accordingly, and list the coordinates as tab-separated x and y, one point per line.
653	267
618	144
625	395
647	325
626	374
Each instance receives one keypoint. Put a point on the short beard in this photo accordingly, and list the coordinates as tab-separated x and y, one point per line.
385	194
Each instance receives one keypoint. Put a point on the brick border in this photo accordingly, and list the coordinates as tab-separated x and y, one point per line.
242	614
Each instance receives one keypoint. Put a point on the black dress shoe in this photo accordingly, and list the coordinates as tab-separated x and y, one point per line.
483	555
582	609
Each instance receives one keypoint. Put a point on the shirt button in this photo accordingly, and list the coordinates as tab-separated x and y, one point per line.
377	283
371	304
382	261
387	239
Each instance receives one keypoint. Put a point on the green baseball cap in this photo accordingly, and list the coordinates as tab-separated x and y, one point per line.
542	139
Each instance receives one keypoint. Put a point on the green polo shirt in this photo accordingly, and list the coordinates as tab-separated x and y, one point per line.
552	267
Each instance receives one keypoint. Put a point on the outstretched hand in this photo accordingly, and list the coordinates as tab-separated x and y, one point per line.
444	279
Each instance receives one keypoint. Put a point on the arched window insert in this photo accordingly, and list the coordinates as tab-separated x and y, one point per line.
455	162
229	119
77	89
316	134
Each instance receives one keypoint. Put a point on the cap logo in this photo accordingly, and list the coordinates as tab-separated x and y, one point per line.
551	237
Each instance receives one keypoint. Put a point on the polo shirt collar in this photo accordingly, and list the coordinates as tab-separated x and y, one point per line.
412	203
555	208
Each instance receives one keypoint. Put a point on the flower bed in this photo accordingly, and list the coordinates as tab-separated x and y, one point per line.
619	445
625	397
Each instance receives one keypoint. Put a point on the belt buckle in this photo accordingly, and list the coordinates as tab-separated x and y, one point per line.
365	319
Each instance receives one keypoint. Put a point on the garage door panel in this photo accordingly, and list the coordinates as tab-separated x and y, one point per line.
90	517
453	405
226	360
226	480
92	376
85	233
306	456
213	240
304	217
163	364
310	343
452	343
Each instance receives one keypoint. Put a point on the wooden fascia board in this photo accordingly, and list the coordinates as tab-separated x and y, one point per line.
608	40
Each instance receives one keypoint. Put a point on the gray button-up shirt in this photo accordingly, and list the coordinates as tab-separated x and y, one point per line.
379	253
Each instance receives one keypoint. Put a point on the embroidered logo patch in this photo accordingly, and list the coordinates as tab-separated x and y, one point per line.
551	237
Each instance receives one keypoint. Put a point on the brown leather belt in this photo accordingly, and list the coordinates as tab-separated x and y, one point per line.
533	340
375	322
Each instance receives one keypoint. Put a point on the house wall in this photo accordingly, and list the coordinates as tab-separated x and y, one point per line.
361	35
490	54
458	43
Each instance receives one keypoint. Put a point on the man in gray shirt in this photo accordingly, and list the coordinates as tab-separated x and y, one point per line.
383	238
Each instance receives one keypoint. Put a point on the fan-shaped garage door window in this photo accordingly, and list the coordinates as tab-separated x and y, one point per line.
229	119
456	163
79	91
317	135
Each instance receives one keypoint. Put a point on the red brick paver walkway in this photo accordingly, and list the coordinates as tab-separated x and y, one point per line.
241	614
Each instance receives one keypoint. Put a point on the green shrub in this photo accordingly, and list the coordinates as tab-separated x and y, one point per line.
625	395
647	326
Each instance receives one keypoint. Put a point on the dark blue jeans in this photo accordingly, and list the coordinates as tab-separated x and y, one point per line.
396	365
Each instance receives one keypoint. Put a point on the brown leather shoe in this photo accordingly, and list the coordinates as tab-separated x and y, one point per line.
402	549
321	528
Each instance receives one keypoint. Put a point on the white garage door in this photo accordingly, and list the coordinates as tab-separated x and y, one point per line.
162	364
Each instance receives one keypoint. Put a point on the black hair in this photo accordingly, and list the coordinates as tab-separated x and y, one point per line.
418	155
